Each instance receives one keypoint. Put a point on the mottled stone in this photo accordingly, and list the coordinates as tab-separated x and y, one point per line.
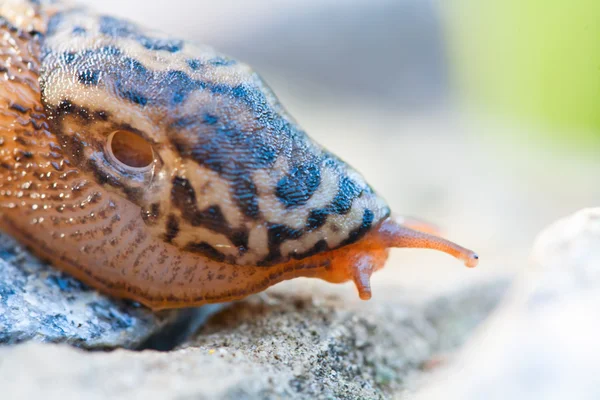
39	303
297	341
542	343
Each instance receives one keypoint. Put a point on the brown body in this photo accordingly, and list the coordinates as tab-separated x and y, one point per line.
142	235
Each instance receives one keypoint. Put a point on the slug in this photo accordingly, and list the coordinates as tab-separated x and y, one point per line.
164	172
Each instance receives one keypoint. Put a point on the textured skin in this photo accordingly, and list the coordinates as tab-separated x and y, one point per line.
236	199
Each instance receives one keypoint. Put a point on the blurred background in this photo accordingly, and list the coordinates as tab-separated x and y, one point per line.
481	116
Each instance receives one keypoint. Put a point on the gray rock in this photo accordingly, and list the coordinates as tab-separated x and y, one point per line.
317	347
298	341
543	341
39	303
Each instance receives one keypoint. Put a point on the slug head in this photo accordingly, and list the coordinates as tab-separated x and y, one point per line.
205	160
199	142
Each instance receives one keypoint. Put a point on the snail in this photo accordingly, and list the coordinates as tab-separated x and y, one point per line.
164	172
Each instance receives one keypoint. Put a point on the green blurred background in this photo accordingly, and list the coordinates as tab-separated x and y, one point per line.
537	61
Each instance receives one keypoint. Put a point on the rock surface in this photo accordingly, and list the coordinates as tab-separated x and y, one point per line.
39	303
543	341
298	341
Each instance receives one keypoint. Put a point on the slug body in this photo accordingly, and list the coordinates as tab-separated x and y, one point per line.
164	172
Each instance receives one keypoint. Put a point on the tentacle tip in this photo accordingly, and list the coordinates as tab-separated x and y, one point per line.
365	294
363	285
471	260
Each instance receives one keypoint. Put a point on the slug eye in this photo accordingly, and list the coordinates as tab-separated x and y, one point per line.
130	151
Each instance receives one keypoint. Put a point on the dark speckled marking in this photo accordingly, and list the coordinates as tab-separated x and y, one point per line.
348	191
183	123
68	57
66	107
89	77
172	228
172	46
319	247
155	210
239	239
194	64
110	51
277	234
210	119
183	197
364	227
245	195
136	67
206	250
233	153
180	84
264	155
134	96
299	185
75	147
221	62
